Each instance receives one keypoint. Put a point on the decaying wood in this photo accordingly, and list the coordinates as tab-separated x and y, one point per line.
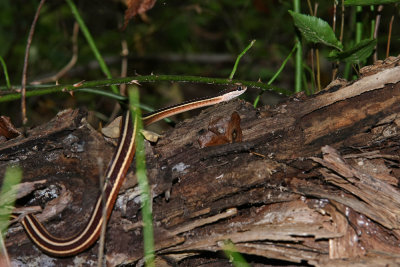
314	181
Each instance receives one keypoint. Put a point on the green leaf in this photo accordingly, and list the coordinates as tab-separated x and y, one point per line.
315	30
368	2
356	54
8	193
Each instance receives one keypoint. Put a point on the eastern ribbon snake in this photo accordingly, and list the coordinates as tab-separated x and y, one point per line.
115	175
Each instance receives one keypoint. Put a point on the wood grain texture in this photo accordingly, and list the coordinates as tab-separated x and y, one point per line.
314	180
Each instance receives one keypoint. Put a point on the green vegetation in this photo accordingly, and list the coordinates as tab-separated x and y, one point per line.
8	194
301	46
191	38
141	173
233	255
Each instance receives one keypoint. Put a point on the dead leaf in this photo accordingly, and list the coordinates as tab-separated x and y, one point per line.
112	130
136	7
150	136
7	129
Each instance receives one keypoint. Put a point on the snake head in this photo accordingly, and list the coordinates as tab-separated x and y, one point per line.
234	92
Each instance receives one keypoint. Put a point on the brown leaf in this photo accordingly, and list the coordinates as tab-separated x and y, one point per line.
136	7
112	130
222	130
7	129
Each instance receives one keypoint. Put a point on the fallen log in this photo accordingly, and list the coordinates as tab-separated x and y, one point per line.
313	180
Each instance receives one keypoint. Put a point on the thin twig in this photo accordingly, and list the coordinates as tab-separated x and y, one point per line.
309	7
334	17
312	50
315	9
341	40
70	64
342	23
317	56
318	70
124	65
377	23
103	181
25	68
335	65
124	71
4	258
389	36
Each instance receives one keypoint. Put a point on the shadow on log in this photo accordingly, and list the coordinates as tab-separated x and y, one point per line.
314	181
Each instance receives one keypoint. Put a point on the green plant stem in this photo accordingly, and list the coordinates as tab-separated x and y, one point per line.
3	63
239	57
91	43
318	70
233	255
347	70
119	98
90	85
8	194
359	31
255	103
145	194
359	24
373	21
313	85
9	190
299	54
103	93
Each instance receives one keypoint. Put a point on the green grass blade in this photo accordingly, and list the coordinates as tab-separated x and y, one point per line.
3	63
298	64
239	57
255	103
108	94
91	43
145	194
368	2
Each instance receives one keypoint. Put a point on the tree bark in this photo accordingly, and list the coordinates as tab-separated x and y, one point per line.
313	180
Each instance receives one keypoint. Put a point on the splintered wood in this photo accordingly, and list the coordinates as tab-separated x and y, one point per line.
313	181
